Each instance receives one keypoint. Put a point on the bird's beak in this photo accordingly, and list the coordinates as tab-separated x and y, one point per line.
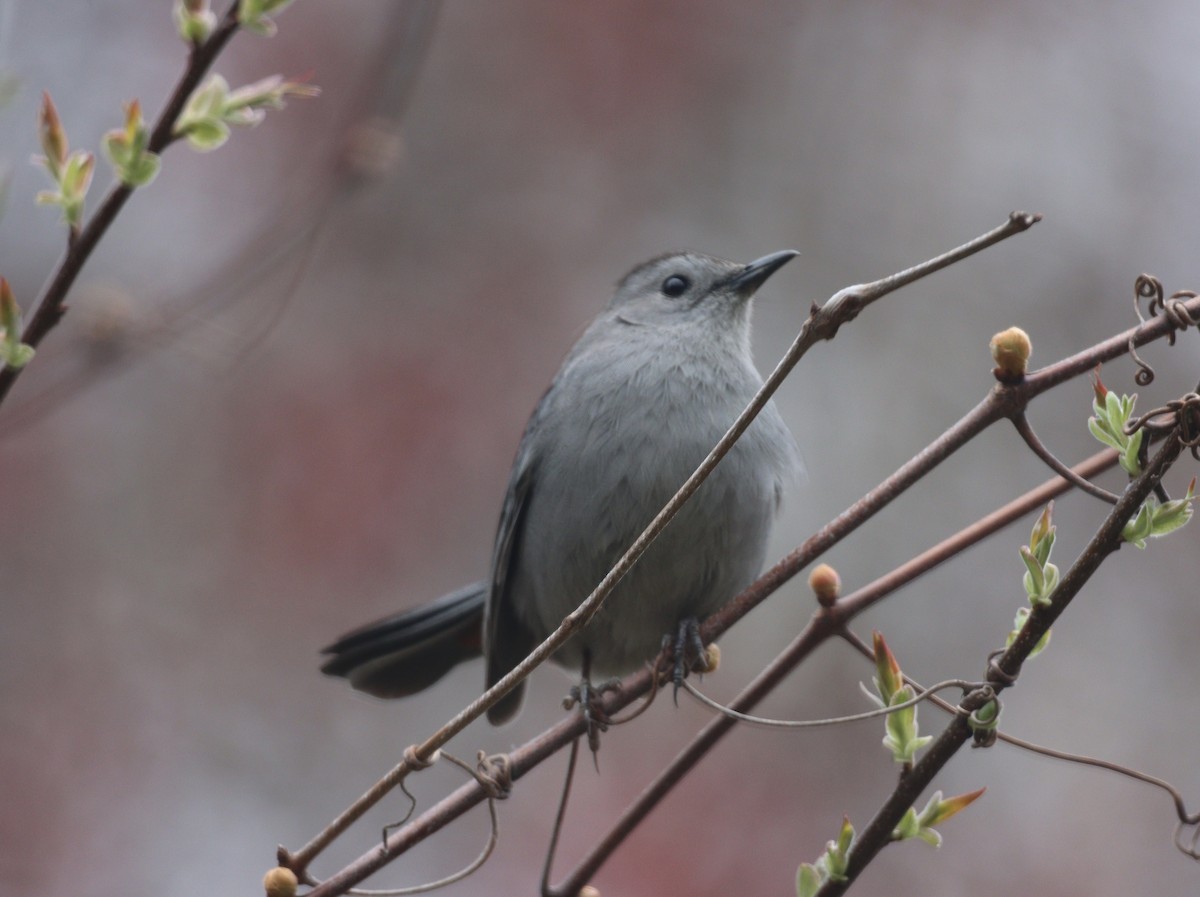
750	278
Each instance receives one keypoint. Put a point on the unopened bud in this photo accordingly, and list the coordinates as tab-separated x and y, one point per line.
589	891
1099	390
1011	349
52	136
710	660
826	584
280	882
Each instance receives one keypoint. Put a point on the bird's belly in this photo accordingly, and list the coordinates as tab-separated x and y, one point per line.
713	548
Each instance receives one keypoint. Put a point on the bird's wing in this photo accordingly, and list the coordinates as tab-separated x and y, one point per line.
506	639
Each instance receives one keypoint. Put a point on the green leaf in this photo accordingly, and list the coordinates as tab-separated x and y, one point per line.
901	727
207	135
1036	581
808	880
1139	529
194	21
1114	410
1049	584
930	837
1129	460
18	355
13	352
1171	516
908	826
1104	434
142	171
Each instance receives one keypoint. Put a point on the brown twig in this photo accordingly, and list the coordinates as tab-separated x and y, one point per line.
50	306
1025	429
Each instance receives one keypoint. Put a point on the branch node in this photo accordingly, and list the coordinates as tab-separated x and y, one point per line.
415	761
996	674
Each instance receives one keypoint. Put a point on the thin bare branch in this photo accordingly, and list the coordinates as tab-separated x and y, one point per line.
1025	428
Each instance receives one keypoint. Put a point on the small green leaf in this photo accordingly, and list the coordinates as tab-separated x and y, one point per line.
908	826
13	352
1139	529
1035	581
194	20
1174	514
253	15
808	880
901	727
18	356
939	810
1103	434
126	149
930	837
1130	463
207	135
1114	410
142	172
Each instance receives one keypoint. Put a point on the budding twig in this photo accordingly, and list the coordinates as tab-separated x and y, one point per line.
50	308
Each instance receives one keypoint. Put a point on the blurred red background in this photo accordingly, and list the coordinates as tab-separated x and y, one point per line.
329	438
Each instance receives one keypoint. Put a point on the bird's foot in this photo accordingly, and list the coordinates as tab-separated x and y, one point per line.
688	652
590	699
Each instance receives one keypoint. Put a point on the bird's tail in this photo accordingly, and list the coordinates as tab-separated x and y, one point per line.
407	652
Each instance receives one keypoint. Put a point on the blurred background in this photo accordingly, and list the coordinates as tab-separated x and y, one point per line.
294	374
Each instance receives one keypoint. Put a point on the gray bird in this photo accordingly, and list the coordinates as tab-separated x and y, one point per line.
642	397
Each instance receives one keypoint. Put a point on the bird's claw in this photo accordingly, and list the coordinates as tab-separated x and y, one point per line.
590	699
687	652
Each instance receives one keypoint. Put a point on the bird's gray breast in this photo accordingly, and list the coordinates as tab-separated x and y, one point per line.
620	430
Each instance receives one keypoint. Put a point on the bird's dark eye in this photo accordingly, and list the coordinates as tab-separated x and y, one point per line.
675	285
